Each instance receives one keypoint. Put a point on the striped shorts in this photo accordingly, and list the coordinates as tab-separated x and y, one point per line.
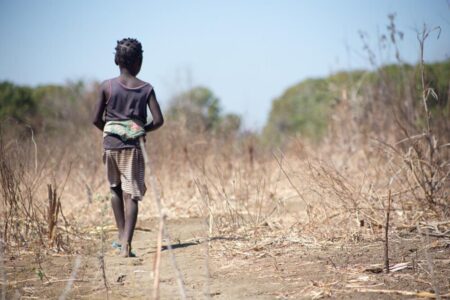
126	168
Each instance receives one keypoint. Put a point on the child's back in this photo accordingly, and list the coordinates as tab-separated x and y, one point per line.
126	103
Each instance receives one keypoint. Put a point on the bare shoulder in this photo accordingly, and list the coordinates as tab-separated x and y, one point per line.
105	88
141	82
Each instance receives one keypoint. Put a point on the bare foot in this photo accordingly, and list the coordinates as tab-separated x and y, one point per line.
126	250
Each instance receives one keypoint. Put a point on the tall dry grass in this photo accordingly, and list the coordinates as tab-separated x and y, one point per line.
377	143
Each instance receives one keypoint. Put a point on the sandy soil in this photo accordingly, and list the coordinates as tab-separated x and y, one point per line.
258	264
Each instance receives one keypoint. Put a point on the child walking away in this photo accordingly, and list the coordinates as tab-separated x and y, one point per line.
121	113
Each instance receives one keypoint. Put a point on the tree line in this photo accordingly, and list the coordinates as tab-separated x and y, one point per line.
305	108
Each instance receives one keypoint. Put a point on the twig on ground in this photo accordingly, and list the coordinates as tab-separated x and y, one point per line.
420	294
111	228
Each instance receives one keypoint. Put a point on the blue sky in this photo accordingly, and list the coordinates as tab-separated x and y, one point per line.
246	52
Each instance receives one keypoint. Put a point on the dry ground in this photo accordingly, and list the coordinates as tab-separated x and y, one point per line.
263	263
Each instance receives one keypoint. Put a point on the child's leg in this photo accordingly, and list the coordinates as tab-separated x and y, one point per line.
118	209
131	212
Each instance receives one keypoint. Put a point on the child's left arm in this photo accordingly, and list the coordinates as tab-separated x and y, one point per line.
155	110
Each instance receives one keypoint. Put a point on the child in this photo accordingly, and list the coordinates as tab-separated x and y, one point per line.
121	114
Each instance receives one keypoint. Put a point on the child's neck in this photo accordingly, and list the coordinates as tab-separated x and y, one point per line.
125	73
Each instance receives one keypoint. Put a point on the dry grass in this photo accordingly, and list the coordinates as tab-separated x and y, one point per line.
303	193
235	182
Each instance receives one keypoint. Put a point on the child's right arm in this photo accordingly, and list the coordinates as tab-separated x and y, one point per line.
103	95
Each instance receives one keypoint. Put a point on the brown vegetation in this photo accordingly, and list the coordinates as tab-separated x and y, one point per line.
385	158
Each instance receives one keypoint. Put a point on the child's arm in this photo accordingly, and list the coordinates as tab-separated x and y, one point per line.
155	110
103	95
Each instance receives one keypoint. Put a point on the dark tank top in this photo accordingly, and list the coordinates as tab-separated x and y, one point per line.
125	103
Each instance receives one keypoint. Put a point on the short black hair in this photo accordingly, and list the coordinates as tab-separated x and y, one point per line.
128	52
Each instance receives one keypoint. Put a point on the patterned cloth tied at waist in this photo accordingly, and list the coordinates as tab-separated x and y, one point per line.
126	130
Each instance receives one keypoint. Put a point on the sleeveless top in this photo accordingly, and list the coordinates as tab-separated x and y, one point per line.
123	104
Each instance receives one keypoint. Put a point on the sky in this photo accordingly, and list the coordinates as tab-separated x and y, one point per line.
246	52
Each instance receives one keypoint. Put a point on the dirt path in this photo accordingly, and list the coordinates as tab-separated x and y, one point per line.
130	278
272	267
190	248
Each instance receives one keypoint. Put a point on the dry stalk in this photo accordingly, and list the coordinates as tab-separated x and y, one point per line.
207	291
2	270
73	275
308	206
429	262
101	257
157	261
163	216
386	234
206	200
52	214
209	224
35	150
425	166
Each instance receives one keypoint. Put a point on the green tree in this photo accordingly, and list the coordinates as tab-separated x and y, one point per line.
200	110
302	109
306	107
16	102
